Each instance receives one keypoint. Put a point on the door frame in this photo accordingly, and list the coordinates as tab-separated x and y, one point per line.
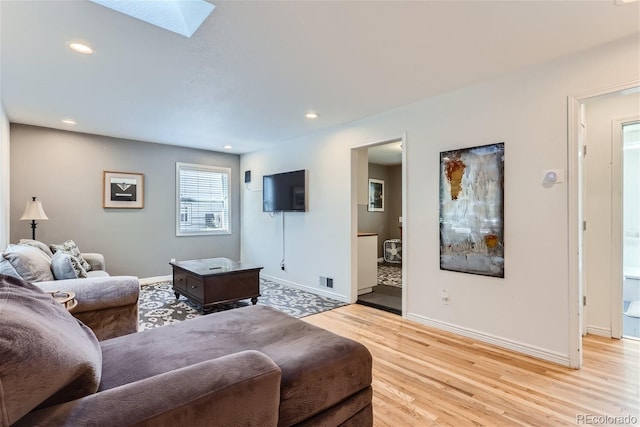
354	216
574	213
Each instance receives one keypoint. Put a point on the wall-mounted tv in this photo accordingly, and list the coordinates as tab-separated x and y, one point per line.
285	192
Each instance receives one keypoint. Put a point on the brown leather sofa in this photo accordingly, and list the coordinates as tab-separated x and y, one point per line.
252	366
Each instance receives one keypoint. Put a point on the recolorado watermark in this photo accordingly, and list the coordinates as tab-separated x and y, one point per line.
590	419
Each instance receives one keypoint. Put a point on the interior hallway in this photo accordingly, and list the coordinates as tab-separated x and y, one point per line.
387	295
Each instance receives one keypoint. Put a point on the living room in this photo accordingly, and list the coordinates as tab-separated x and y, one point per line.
532	310
319	241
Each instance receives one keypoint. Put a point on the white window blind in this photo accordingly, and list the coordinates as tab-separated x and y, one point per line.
202	200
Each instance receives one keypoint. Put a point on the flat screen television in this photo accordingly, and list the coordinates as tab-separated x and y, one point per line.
285	192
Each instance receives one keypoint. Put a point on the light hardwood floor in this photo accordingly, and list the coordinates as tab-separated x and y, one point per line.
427	377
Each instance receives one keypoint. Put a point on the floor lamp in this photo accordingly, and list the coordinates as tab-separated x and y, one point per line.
33	212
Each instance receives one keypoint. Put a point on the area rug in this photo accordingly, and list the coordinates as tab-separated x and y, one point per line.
390	274
158	305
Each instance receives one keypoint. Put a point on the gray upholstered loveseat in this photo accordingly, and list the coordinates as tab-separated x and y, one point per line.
251	366
107	304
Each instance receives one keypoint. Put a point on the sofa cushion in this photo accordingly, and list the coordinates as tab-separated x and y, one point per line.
97	273
72	249
37	244
30	263
48	357
65	266
95	260
319	369
98	293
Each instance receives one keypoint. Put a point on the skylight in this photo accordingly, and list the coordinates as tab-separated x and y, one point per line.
180	16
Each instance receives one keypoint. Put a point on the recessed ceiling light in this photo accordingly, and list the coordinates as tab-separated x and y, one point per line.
227	147
311	115
80	48
69	121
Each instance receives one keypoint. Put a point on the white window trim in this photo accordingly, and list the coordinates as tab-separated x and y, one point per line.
207	168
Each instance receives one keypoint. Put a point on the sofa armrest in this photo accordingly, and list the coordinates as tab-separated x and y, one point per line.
240	389
97	293
95	260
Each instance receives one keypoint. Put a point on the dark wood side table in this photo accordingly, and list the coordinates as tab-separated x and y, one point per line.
215	280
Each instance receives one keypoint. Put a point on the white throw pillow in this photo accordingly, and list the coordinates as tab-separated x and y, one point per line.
30	263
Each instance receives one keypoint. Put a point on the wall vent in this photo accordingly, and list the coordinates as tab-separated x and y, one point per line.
326	282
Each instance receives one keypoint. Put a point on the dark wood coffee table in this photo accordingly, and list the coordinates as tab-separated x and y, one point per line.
211	281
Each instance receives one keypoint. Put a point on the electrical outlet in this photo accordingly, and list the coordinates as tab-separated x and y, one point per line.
444	296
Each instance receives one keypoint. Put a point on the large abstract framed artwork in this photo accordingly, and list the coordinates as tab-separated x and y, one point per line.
123	190
472	210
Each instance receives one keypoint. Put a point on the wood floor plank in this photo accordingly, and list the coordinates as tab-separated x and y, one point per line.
427	377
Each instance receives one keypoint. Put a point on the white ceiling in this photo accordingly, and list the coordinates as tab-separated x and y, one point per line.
389	154
254	68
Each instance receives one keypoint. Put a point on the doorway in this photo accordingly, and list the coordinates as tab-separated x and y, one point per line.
593	266
379	225
629	150
607	202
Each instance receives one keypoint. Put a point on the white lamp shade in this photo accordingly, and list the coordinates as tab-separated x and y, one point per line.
34	211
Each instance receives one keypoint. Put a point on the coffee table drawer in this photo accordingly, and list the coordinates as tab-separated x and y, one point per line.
180	280
195	287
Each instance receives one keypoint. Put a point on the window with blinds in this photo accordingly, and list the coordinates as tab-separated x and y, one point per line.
202	200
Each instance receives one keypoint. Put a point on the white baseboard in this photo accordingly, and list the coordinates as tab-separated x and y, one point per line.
317	291
529	350
602	332
147	280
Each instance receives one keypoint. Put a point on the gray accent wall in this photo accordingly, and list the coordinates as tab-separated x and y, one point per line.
65	171
385	224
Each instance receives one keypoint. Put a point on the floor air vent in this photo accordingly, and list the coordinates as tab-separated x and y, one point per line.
326	282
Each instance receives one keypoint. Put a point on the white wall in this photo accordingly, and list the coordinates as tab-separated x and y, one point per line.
4	178
315	240
598	208
385	224
528	309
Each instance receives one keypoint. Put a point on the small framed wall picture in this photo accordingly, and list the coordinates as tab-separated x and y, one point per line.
376	195
123	190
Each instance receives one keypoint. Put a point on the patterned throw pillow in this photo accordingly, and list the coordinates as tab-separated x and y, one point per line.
65	266
70	247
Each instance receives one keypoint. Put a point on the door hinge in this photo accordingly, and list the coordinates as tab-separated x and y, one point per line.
584	226
584	151
584	300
